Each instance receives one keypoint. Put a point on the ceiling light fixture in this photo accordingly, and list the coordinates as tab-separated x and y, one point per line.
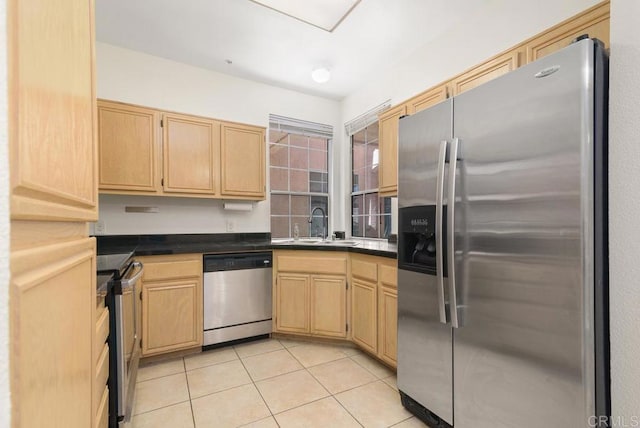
321	75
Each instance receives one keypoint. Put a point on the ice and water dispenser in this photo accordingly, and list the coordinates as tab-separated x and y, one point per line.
417	245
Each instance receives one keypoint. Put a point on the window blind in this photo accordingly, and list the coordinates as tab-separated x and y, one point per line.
302	127
365	119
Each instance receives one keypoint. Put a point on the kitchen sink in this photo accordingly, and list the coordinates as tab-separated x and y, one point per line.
316	241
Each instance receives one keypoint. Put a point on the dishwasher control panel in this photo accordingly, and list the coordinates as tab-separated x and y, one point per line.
225	262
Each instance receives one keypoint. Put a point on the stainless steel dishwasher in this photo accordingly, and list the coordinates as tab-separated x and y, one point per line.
237	296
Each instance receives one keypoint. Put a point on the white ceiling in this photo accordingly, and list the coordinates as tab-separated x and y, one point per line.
270	47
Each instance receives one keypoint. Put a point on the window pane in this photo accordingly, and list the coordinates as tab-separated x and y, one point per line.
299	181
280	227
357	205
371	178
299	140
299	205
317	160
318	143
280	205
319	220
356	225
279	137
303	225
371	204
299	158
372	132
371	226
278	155
279	179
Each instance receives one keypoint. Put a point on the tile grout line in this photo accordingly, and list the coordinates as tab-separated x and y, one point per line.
257	389
193	416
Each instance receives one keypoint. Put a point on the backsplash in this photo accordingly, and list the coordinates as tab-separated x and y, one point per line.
177	215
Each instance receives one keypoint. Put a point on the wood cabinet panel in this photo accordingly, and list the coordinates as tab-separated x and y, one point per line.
242	151
388	274
53	328
364	267
292	303
128	148
388	325
52	114
388	146
102	331
364	315
594	22
191	154
102	372
170	268
487	71
427	99
102	419
314	262
172	319
171	303
329	306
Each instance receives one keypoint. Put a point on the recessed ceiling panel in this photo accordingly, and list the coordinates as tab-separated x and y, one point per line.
325	14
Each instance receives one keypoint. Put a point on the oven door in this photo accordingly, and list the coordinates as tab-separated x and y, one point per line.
128	339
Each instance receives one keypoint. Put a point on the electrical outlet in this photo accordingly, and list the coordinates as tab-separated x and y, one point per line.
100	228
230	226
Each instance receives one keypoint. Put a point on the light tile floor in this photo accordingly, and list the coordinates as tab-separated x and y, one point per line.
270	383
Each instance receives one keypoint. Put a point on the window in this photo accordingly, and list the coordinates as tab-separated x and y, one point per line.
299	172
370	215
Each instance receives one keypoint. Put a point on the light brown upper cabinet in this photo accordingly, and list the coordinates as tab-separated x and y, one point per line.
242	152
128	147
52	110
594	22
388	146
497	66
191	154
427	99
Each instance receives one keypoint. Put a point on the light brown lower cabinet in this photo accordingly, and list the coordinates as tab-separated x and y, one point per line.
310	293
374	306
364	315
171	303
292	303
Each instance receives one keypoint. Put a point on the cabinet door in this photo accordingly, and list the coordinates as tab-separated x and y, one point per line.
292	303
52	110
329	306
53	329
363	313
487	71
171	315
191	155
594	22
388	325
128	148
388	146
427	99
243	161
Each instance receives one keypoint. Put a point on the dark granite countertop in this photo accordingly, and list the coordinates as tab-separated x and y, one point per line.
150	245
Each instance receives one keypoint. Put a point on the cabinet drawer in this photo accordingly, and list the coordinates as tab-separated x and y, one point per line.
364	270
102	415
171	270
329	265
102	370
102	330
389	276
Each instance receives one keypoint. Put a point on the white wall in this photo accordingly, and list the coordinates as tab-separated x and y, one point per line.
134	77
5	404
624	207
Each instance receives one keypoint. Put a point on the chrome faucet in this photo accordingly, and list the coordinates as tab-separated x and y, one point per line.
325	221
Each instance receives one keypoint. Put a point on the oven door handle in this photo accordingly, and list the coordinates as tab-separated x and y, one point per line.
129	282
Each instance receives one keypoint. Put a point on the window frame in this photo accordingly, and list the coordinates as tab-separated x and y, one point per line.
309	194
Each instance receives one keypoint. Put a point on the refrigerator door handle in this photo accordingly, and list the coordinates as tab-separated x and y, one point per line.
451	251
442	155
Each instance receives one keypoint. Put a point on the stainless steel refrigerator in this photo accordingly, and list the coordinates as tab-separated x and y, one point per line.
502	250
